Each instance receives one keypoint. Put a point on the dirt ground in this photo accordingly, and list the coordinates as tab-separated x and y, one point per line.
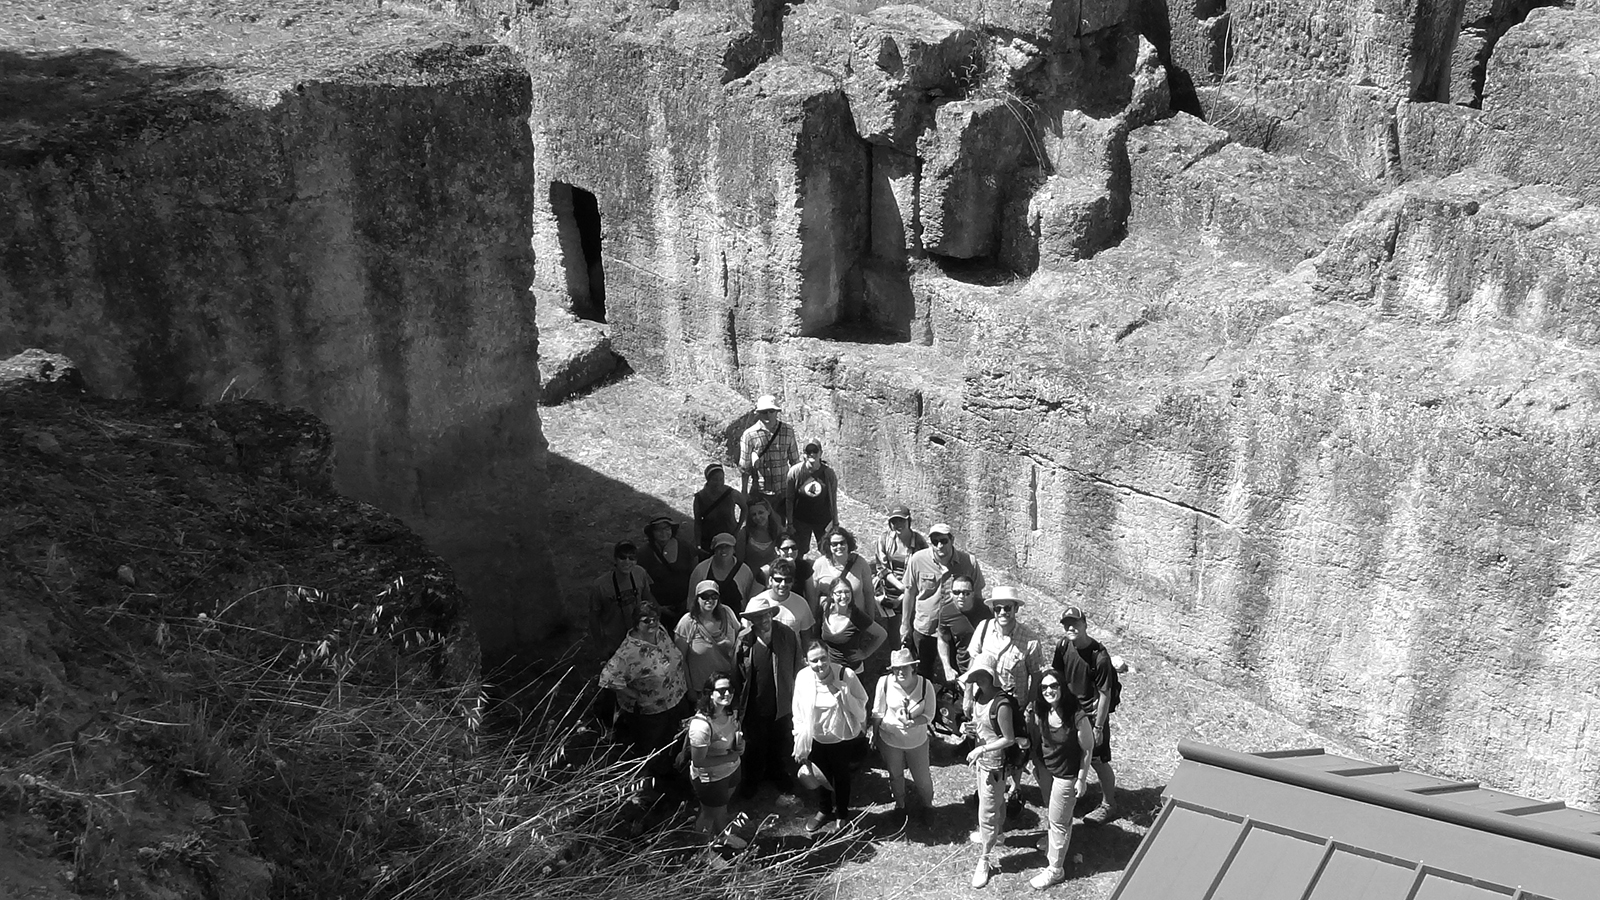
607	482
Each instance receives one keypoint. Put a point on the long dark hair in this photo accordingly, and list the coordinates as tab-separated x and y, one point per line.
703	705
841	531
1066	705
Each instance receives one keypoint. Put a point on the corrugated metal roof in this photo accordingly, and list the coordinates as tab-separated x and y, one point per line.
1308	825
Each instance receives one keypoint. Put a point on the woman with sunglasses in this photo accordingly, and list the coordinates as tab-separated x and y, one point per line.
843	562
1064	745
716	746
643	683
707	637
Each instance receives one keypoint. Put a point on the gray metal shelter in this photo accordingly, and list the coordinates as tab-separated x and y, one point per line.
1309	825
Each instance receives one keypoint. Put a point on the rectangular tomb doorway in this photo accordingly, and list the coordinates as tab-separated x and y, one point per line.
577	215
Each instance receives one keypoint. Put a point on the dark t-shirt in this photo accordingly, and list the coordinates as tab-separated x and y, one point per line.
1060	750
1087	670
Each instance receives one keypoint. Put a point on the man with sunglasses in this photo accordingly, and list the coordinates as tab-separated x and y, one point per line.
930	573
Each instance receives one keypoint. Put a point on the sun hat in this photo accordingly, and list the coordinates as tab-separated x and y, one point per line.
760	605
766	402
901	658
1004	594
976	670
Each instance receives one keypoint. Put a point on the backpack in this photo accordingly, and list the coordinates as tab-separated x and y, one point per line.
1016	755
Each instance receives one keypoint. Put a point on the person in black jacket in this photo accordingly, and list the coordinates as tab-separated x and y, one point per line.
767	660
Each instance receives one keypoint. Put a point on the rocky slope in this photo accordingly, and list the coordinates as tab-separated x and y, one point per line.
192	623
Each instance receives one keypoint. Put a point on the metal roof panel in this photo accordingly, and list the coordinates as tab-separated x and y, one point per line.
1270	865
1195	844
1360	876
1437	887
1303	825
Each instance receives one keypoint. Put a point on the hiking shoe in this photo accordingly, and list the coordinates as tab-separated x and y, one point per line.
818	822
1100	815
980	874
1048	877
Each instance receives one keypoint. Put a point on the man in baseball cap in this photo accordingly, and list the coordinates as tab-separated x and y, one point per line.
929	573
811	497
1091	676
766	451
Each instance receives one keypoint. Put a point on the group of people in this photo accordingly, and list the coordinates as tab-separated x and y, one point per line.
769	665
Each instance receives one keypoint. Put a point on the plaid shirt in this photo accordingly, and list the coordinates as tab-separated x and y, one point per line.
773	465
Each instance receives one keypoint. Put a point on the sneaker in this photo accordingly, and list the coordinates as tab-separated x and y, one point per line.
980	874
1100	815
818	822
1047	878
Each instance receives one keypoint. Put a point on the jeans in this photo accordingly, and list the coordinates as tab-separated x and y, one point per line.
1061	795
991	807
896	761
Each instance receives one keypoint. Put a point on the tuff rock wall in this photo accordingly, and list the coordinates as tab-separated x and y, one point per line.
1265	330
344	230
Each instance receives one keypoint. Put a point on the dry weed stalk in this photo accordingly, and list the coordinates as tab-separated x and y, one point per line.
361	776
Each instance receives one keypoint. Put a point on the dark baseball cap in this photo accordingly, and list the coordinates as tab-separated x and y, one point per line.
900	512
1073	614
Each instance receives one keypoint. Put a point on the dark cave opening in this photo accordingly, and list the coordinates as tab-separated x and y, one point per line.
577	213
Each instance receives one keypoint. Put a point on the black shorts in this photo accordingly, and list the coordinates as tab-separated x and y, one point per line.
1102	745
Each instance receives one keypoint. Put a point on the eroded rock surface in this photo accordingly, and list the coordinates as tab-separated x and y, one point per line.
340	228
1265	380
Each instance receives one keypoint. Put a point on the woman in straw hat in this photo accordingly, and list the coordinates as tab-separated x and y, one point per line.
902	708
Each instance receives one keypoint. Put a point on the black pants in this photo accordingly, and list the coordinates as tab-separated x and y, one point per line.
838	762
768	753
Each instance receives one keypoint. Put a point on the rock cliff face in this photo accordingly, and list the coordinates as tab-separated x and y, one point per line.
339	227
1297	381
